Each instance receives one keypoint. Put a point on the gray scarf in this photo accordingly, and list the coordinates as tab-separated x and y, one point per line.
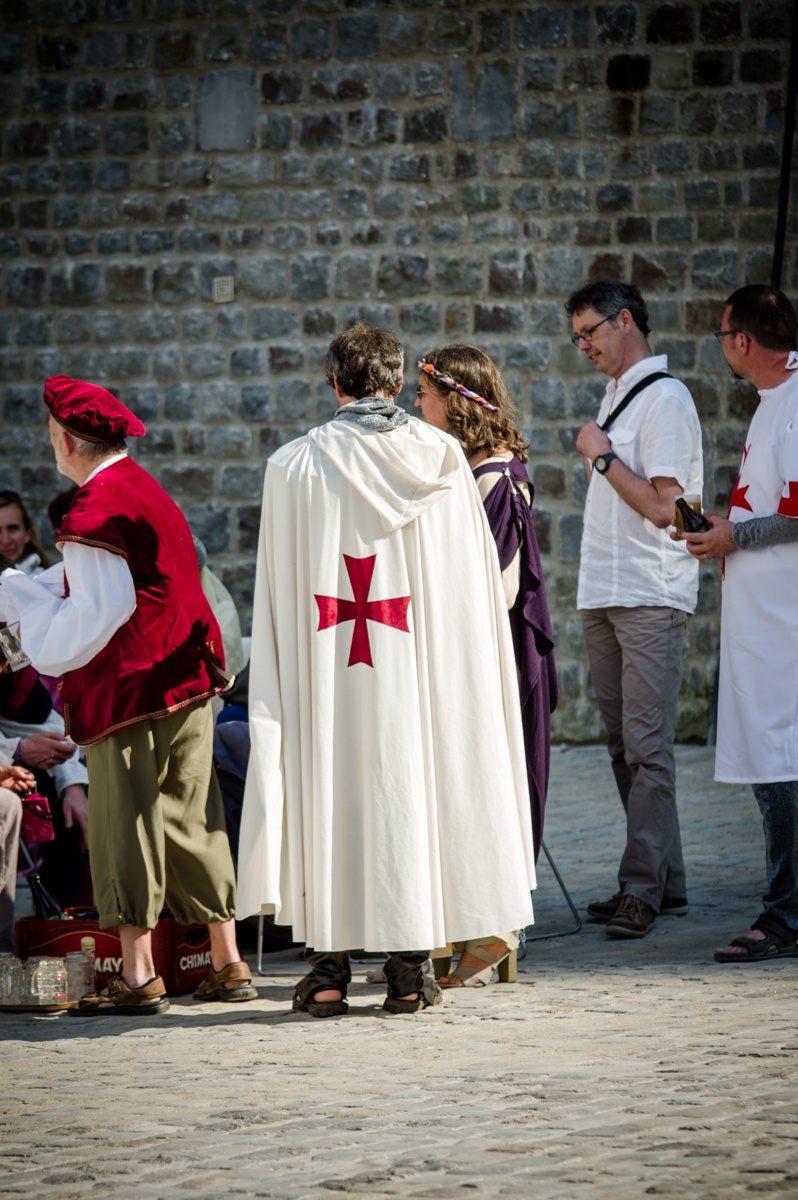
372	412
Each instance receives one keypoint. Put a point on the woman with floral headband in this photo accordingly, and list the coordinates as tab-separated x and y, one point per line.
460	390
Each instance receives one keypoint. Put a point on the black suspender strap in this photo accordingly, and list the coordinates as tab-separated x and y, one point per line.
630	395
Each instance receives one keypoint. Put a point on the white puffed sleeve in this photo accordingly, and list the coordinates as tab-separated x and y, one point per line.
61	633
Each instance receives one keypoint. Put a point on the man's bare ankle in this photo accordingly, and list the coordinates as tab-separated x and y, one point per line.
329	995
137	979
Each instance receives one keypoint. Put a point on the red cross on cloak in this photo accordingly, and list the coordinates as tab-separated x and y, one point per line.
738	499
738	496
333	609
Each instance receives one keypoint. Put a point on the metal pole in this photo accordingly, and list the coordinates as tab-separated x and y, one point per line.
786	156
544	937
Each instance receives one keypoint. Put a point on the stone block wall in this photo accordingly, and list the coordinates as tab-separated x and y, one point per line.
448	168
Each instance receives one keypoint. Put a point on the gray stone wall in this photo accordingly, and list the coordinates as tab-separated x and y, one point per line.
451	169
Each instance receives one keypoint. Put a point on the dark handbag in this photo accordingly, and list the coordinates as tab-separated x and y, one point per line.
37	820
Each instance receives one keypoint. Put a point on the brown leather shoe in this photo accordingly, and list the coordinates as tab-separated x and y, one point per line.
633	919
232	984
604	910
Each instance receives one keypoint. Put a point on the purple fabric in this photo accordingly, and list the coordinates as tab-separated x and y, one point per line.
513	528
51	682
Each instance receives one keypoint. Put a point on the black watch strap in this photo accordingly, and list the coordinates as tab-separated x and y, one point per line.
605	460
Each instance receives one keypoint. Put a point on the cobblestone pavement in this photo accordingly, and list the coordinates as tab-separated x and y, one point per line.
611	1069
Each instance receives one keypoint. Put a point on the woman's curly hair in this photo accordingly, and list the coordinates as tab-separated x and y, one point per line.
479	430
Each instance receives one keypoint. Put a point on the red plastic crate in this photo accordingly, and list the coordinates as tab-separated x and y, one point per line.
182	953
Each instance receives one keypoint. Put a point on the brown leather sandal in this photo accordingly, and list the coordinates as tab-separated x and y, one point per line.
400	1004
305	1001
232	984
120	1000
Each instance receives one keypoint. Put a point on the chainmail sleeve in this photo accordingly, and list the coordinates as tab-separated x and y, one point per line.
764	531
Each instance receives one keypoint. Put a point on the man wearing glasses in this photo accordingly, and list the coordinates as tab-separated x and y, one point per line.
637	588
758	698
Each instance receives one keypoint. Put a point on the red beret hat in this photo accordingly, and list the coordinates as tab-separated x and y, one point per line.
89	412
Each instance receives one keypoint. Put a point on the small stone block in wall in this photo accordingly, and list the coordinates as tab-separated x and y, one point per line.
226	111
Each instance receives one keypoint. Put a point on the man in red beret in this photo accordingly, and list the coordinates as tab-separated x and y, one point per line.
125	621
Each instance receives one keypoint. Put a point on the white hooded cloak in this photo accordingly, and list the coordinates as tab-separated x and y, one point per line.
386	803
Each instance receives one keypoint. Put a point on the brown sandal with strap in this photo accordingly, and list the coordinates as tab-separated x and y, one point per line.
120	1000
232	984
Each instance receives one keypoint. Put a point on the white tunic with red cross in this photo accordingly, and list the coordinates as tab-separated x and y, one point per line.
386	803
758	699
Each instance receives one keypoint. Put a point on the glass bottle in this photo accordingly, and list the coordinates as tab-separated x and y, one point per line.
688	518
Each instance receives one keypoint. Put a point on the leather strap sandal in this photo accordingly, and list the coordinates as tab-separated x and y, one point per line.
120	1000
306	1001
397	1004
468	974
778	942
232	984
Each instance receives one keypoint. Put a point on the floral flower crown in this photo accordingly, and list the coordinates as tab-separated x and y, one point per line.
446	378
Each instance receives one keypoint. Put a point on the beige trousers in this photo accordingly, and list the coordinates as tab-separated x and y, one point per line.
10	820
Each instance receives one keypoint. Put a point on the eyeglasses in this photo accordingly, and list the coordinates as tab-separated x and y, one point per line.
587	334
722	333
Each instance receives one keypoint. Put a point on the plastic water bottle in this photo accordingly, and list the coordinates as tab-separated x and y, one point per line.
88	950
76	974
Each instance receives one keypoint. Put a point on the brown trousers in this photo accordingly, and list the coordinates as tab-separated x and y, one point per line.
156	823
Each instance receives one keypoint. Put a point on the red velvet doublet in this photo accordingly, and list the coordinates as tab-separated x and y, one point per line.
169	653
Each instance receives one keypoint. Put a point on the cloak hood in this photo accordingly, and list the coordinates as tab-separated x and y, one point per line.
399	473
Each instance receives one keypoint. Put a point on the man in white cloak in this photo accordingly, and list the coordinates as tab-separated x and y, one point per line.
386	803
758	696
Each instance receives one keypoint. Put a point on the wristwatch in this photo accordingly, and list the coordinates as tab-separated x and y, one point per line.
602	461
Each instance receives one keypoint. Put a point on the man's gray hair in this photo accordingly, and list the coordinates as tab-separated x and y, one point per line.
95	451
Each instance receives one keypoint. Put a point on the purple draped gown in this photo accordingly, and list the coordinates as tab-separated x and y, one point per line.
512	526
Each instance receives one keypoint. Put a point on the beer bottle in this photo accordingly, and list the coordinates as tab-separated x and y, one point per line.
691	521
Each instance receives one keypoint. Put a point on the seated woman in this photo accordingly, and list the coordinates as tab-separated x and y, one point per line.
32	736
14	781
461	391
18	540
